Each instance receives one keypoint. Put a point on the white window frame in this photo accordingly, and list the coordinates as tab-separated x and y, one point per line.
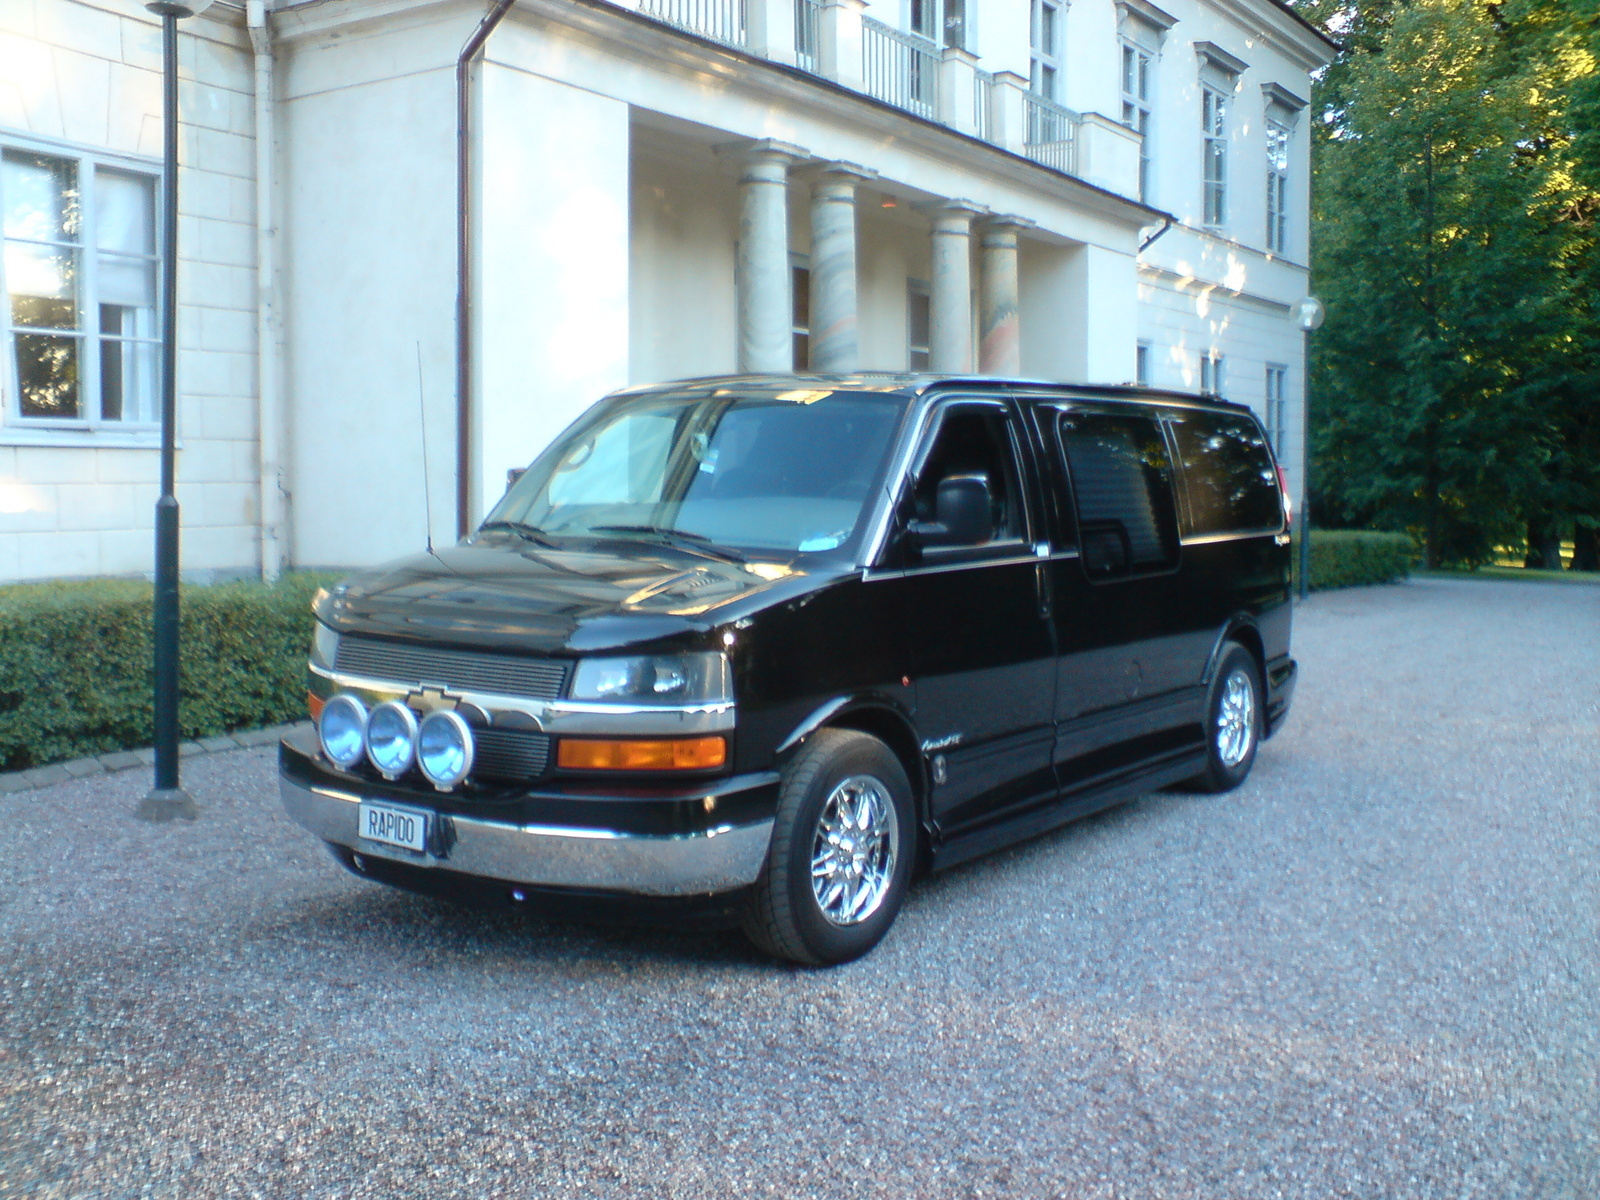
1046	20
931	20
1277	406
1279	139
1214	104
1137	74
917	289
1212	373
92	428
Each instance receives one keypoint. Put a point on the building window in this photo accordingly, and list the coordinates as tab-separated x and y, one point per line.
79	276
1045	42
800	316
943	22
1141	363
1277	406
919	325
1277	187
1214	152
1211	373
1137	68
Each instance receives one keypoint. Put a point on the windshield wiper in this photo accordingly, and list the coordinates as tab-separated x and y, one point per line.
696	541
523	530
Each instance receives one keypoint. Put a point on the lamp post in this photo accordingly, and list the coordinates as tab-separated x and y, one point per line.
168	801
1308	314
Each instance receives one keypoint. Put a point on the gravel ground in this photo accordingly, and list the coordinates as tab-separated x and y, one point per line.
1372	972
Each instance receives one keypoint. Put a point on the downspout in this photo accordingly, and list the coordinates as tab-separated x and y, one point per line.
464	330
1166	224
270	425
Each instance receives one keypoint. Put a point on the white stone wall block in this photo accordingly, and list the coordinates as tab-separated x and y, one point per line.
141	467
129	551
16	16
204	193
202	461
86	82
227	242
228	329
87	506
228	417
219	548
50	464
141	43
32	70
87	29
215	150
58	555
27	506
229	504
135	98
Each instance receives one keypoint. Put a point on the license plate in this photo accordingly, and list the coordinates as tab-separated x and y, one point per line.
394	826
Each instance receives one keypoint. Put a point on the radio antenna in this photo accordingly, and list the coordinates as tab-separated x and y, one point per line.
422	417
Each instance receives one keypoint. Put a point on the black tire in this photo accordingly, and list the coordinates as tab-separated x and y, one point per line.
786	916
1226	766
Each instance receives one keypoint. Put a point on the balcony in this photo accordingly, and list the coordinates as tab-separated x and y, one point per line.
898	68
720	20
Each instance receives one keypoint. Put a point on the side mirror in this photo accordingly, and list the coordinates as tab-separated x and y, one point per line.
963	514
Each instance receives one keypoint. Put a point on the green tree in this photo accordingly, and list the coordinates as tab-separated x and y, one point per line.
1437	285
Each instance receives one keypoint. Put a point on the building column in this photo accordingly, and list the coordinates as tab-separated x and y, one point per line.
999	346
835	342
950	291
765	316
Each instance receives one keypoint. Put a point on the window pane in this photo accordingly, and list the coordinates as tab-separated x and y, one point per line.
974	443
1228	475
123	219
41	197
44	286
921	318
47	370
127	368
1122	482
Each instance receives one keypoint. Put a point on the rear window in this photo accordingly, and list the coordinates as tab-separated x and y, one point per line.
1228	477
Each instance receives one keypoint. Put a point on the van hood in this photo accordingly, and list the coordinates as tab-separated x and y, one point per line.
516	595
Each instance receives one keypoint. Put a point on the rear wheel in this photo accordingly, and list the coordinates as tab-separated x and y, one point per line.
1235	713
841	854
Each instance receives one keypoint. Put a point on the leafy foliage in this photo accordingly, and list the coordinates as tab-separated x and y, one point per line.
1454	203
1343	558
75	663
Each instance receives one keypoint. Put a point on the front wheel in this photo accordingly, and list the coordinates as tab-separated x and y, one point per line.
842	847
1235	714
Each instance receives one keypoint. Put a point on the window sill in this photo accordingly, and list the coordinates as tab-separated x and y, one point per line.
81	439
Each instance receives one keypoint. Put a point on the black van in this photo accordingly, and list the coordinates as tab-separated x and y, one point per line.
764	648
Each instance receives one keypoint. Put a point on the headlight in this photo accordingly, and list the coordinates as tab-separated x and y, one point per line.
324	646
392	738
343	730
444	749
665	679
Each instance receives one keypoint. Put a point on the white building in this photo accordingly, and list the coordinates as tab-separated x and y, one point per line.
1099	190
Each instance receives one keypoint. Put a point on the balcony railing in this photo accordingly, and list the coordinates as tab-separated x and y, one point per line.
807	33
1052	133
900	68
720	20
982	90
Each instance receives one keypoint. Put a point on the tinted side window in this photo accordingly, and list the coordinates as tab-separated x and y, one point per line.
974	440
1122	483
1228	478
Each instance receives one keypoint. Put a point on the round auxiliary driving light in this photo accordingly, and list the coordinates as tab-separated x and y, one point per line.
343	730
392	738
444	749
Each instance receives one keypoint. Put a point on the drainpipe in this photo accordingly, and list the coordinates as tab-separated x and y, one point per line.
1166	224
270	427
464	330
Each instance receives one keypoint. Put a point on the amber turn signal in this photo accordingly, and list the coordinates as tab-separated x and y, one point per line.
676	754
314	705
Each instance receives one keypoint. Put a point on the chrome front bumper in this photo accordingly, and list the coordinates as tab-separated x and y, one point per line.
717	860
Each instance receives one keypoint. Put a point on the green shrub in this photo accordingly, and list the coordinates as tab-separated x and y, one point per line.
1353	558
75	663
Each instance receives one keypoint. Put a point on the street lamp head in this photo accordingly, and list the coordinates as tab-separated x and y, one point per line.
178	8
1309	313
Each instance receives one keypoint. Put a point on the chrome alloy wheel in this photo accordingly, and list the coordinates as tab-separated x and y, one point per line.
854	853
1236	719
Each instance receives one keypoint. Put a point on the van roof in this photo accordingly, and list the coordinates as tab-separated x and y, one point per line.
909	384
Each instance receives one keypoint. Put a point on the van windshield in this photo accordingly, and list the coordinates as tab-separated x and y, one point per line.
775	472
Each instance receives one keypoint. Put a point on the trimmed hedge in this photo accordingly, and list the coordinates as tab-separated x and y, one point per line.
75	663
1354	558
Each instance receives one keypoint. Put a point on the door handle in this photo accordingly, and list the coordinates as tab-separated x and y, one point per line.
1041	578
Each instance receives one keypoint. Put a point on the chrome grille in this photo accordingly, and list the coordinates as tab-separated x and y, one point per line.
509	754
456	670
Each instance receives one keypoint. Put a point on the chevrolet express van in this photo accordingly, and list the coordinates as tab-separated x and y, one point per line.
764	649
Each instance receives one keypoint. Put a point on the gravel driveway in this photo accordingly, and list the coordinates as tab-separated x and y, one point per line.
1372	972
